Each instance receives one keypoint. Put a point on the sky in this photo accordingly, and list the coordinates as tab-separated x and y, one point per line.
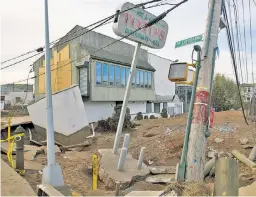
22	30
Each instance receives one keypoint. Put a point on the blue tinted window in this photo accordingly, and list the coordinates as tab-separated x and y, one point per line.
149	79
141	79
145	79
98	73
105	74
118	75
137	78
123	77
134	80
127	74
111	75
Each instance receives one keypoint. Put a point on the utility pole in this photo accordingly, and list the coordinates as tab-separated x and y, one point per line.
198	134
52	173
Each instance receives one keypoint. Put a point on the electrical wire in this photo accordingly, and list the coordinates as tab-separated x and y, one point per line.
59	39
245	44
160	17
233	59
237	40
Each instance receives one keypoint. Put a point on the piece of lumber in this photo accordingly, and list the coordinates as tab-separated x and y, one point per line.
208	166
252	155
226	177
243	159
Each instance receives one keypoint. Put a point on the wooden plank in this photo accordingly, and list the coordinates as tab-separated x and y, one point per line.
244	159
226	177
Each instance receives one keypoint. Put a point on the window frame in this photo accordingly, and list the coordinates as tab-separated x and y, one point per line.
96	82
114	75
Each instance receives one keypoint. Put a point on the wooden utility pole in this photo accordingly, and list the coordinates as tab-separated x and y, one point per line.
226	177
198	134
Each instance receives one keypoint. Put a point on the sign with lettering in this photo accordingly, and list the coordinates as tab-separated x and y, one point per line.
188	41
133	19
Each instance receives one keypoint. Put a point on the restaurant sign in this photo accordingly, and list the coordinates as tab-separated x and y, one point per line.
133	19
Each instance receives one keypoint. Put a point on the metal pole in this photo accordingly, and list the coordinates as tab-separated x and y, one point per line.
186	98
126	140
19	148
182	165
122	158
52	173
126	98
142	151
198	134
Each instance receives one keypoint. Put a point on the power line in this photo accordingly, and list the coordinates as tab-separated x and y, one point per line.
250	14
233	59
158	18
237	39
245	43
59	39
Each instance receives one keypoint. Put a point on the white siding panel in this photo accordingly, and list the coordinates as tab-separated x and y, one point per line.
83	81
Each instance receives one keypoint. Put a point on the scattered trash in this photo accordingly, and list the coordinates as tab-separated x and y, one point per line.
167	131
150	162
227	128
218	140
40	172
243	141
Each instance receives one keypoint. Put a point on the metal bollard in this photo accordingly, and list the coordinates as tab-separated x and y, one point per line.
122	158
126	140
19	148
139	166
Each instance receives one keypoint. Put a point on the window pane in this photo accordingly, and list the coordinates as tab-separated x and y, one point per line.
134	80
98	73
111	75
123	77
105	74
145	79
137	78
149	79
141	79
118	75
127	74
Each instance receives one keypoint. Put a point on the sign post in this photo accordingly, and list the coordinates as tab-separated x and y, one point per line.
129	20
188	41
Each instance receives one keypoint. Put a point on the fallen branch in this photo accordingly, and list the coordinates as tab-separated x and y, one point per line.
243	159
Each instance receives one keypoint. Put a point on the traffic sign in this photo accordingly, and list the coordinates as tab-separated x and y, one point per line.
130	20
188	41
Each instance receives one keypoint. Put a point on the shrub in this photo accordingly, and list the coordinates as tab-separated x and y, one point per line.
164	113
139	116
152	117
145	117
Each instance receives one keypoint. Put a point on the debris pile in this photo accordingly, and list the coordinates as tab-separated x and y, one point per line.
111	123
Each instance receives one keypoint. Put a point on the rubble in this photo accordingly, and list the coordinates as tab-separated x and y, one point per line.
161	178
247	146
218	140
44	148
243	141
162	169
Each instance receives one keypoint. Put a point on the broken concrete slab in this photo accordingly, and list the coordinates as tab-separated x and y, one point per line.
243	141
161	178
249	146
162	169
218	140
145	193
210	154
109	174
27	148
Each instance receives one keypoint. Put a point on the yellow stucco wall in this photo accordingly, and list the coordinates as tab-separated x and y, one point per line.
60	71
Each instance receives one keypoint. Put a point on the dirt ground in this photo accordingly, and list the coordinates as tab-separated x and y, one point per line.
163	140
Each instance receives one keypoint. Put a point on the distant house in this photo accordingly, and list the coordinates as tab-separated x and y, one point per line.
102	76
248	90
16	94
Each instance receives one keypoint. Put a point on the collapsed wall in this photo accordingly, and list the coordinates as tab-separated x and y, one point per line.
70	121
